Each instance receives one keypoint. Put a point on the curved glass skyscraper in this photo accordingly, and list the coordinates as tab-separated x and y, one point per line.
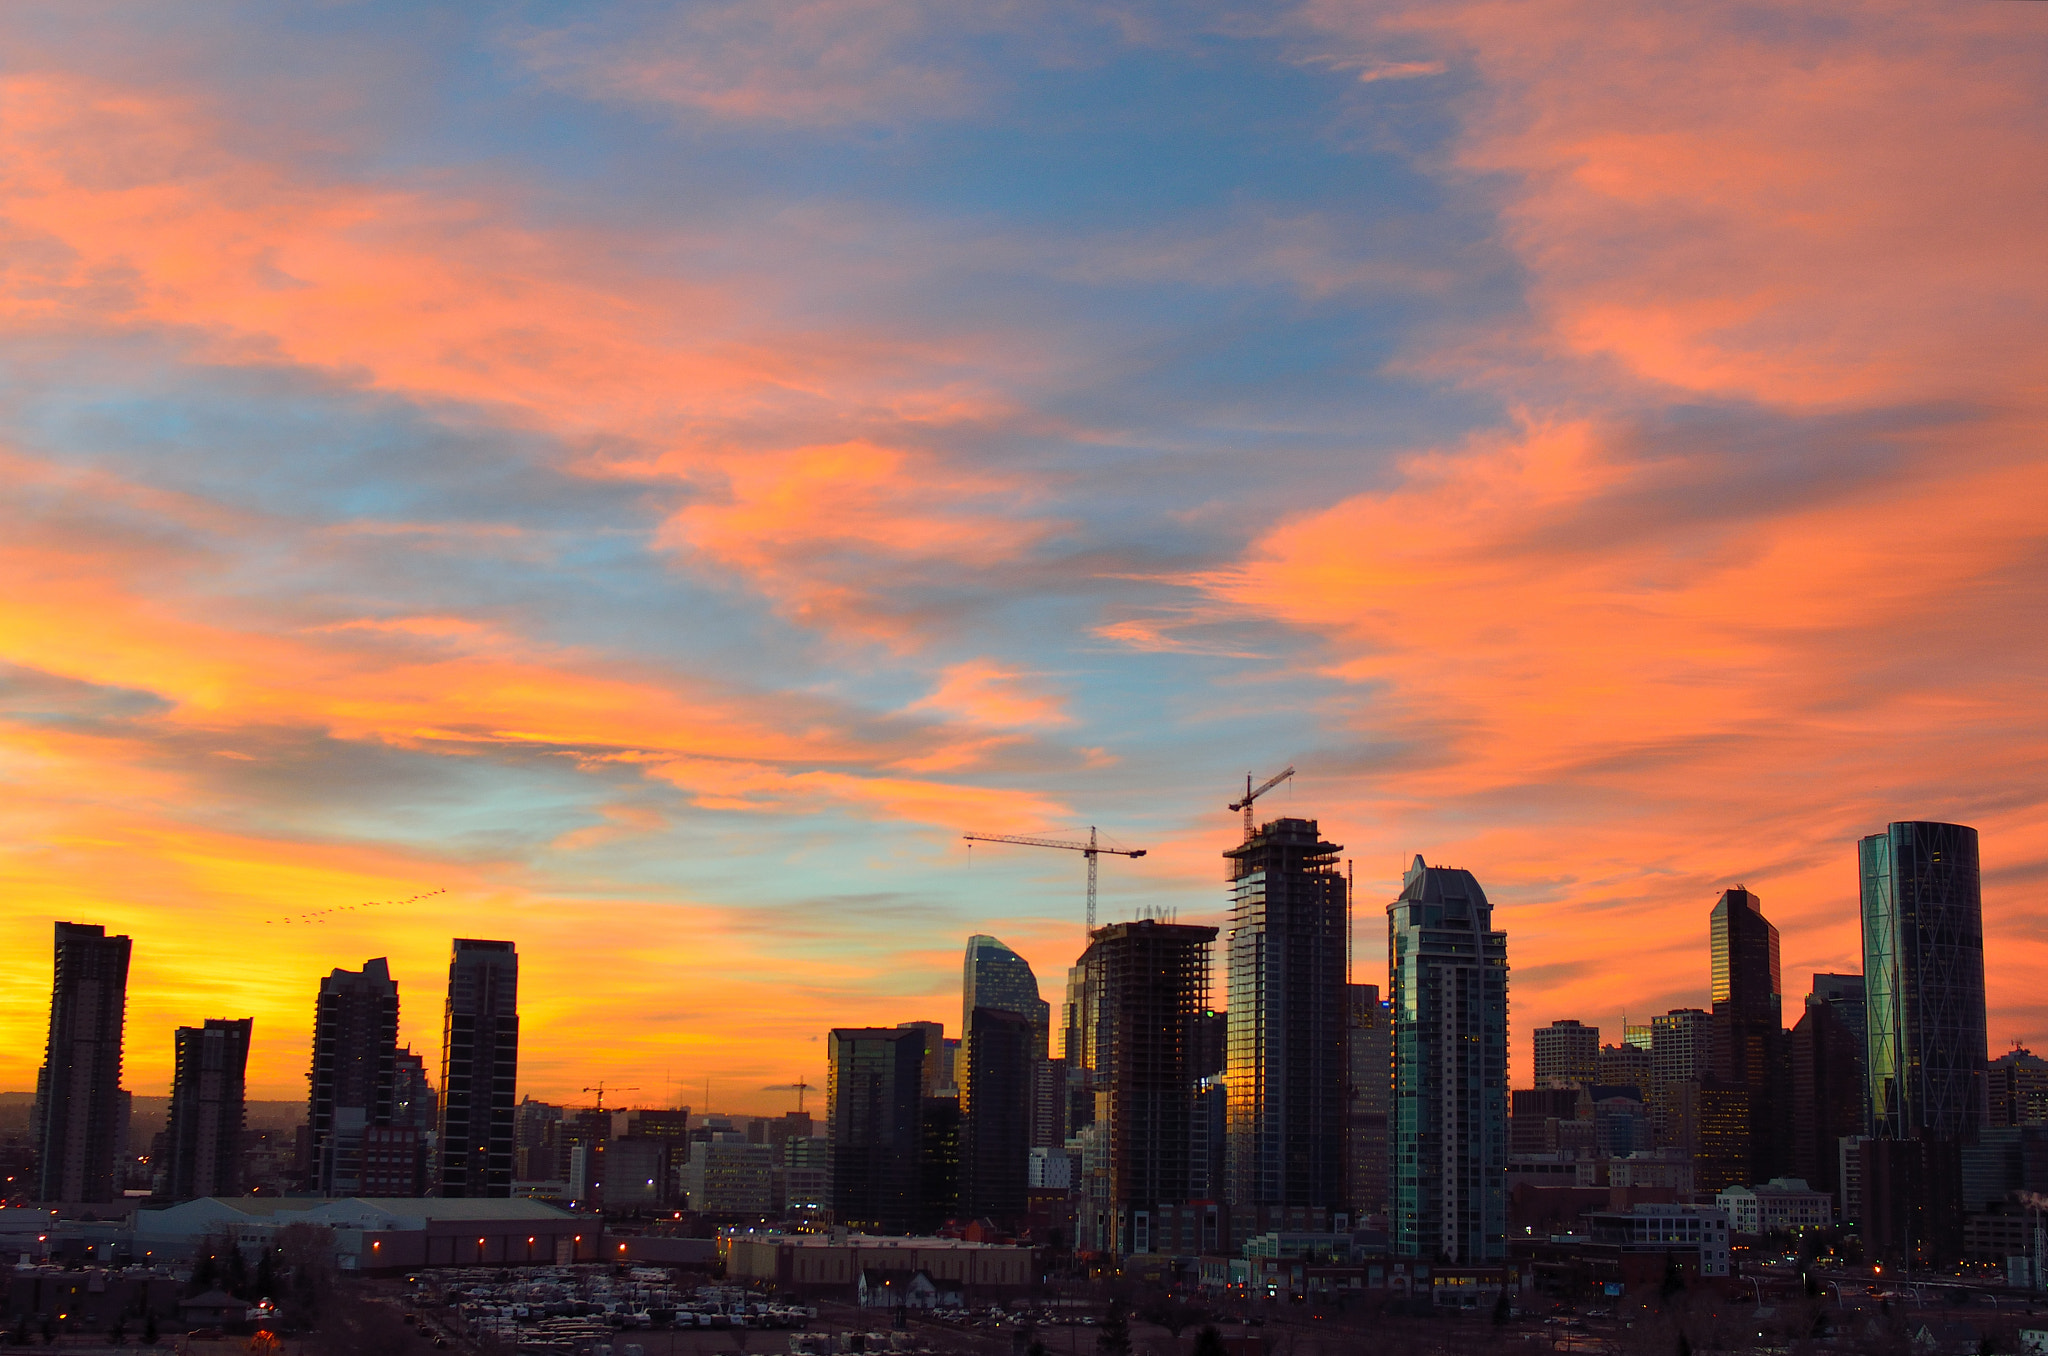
1923	977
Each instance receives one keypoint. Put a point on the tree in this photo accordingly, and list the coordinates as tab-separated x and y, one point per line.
204	1269
1113	1338
1209	1342
149	1332
1684	1345
1674	1279
266	1274
306	1252
1501	1311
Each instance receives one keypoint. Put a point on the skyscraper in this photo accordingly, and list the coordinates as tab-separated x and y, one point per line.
80	1109
1923	977
1567	1054
874	1109
993	976
995	1111
1146	987
355	1038
1828	1085
204	1134
1288	1006
1449	1140
1369	1068
479	1069
997	979
1748	1031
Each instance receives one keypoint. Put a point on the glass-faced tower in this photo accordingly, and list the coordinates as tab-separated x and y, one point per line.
1448	1130
1923	977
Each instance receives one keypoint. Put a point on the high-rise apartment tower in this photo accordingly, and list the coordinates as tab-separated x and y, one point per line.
1146	988
1449	1140
203	1137
479	1069
1288	1006
80	1108
355	1039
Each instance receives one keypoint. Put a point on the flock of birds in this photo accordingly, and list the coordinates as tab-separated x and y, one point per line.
321	915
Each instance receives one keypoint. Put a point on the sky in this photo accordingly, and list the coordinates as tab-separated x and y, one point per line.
657	475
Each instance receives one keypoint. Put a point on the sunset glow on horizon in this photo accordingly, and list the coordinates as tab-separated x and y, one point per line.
642	482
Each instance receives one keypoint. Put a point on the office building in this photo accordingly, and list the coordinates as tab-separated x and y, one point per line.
874	1100
997	979
1828	1083
479	1069
355	1055
1567	1055
999	1051
1146	987
1923	980
80	1111
537	1142
1681	1050
1369	1081
2019	1088
412	1092
1289	1004
1748	1030
1537	1115
938	1074
1628	1065
727	1179
1449	1139
203	1136
1711	1124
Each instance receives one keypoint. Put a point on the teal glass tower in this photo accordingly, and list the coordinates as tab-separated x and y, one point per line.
1447	1193
1923	981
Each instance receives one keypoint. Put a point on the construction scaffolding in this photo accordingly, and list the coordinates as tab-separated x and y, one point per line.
1146	986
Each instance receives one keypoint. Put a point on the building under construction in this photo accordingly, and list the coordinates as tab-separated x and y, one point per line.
1142	992
1288	1009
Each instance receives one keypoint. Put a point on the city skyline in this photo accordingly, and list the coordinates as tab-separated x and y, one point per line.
1521	1034
642	482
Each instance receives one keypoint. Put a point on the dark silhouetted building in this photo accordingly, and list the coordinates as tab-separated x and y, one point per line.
1288	1006
997	979
1369	1083
479	1069
939	1072
1567	1054
1913	1200
1449	1140
1828	1084
1537	1113
1923	981
355	1052
996	1098
2019	1088
1145	989
1628	1065
203	1136
80	1109
874	1098
1748	1031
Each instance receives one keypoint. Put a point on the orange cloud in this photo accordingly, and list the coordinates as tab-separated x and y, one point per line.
983	692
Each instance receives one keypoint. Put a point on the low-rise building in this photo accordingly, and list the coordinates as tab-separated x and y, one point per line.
833	1265
1783	1203
385	1233
1661	1227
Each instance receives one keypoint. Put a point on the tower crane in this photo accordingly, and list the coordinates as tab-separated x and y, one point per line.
599	1090
1089	849
1251	794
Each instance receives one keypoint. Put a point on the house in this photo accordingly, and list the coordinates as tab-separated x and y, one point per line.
1945	1339
903	1288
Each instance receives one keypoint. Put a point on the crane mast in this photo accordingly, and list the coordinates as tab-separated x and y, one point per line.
1251	794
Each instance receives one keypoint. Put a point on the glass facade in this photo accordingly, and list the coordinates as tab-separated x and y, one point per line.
1449	1123
1285	1019
479	1069
1923	974
875	1106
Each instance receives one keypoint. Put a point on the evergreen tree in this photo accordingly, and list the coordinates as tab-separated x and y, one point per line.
1209	1342
1113	1338
149	1332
